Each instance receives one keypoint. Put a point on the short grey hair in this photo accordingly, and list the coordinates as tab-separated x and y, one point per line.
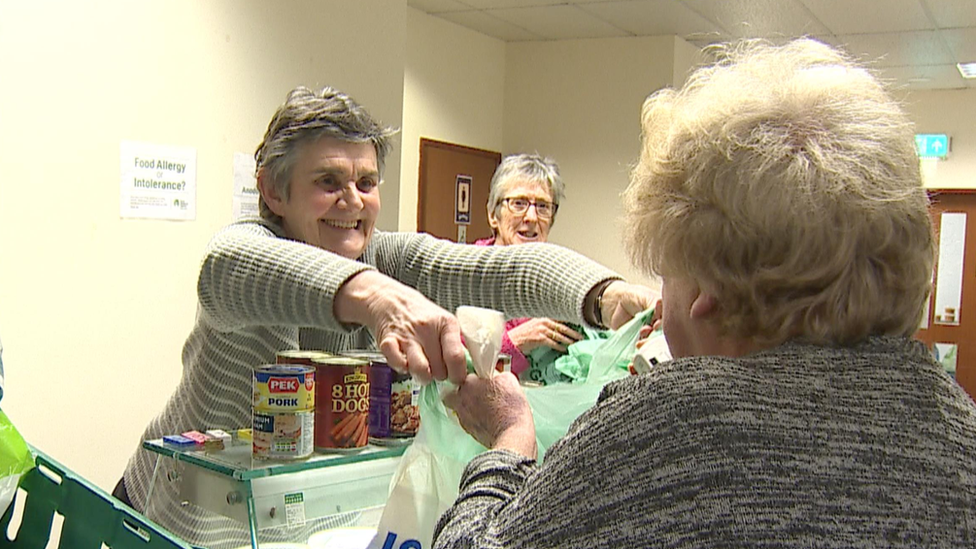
784	180
305	117
532	167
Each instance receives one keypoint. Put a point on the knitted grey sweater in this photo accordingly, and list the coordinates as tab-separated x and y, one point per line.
260	293
795	447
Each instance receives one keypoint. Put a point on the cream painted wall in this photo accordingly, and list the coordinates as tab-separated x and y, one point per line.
950	112
453	90
579	101
94	309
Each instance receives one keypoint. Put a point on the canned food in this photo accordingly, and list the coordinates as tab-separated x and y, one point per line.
284	388
283	412
342	404
394	414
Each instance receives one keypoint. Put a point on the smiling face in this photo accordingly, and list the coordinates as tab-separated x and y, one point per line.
512	228
334	196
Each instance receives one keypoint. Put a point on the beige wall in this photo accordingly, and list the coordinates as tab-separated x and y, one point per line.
94	309
950	112
453	90
579	101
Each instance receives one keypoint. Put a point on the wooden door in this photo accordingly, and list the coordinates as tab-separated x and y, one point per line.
963	333
441	164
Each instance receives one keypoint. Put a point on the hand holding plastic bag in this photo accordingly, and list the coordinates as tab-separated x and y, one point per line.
426	482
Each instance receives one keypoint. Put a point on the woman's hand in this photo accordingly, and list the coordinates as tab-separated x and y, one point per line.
414	334
622	301
539	332
496	413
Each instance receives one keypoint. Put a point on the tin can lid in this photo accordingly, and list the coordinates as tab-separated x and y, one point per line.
340	361
284	369
303	353
374	357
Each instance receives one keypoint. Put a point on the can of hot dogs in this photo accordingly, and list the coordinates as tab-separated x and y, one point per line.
341	404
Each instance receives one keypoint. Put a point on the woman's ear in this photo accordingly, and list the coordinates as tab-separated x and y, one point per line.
269	193
704	306
492	220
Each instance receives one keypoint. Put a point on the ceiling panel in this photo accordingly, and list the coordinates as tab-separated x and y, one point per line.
438	6
962	44
870	16
492	26
653	18
897	49
918	39
494	4
952	13
932	77
759	18
559	22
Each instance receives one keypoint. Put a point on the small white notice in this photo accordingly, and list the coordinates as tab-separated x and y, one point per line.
245	187
158	181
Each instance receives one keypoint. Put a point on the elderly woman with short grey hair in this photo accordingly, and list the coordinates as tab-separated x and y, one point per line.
523	199
778	195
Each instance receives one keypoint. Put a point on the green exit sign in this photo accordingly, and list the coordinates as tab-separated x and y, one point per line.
932	145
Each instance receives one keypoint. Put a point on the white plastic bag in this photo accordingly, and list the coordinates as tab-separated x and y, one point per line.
426	481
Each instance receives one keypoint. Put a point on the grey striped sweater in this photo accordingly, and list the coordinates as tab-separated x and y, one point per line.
795	447
260	293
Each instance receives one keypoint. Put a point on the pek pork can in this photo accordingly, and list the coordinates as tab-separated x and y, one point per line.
342	404
283	412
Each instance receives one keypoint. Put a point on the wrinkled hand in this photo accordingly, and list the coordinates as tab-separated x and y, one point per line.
496	413
414	334
539	332
622	301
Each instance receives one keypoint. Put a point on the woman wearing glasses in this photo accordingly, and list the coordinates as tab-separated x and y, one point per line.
525	193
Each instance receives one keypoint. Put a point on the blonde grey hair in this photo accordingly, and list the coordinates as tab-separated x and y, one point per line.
784	180
531	167
307	116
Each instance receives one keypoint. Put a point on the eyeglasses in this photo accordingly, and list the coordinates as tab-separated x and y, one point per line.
519	205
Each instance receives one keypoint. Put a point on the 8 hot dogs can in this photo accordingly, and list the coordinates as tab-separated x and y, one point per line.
342	404
283	412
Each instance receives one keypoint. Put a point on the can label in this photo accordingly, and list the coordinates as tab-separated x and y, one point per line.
393	403
342	404
404	406
282	435
284	388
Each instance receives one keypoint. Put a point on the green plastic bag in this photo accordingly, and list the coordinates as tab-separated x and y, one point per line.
548	366
15	460
427	479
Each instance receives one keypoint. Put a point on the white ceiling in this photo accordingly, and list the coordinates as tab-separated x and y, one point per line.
915	43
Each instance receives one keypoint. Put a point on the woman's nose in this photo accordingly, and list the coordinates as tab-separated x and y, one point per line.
351	197
530	213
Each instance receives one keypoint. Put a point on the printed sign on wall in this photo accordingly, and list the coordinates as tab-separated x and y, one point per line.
462	200
158	181
245	198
